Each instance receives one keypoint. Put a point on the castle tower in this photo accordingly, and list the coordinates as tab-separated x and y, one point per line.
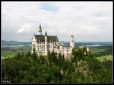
40	30
71	41
33	44
46	44
62	47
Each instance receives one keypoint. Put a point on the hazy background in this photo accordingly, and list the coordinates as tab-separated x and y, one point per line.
87	21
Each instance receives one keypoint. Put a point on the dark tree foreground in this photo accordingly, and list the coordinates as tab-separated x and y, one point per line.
53	68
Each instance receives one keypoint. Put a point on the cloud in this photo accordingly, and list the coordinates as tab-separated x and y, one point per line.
25	28
82	19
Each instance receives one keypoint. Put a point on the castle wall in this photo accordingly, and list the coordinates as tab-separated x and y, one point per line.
51	46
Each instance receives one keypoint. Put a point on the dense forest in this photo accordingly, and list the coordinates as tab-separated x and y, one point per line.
53	68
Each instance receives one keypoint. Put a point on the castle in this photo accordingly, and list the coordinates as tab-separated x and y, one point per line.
41	44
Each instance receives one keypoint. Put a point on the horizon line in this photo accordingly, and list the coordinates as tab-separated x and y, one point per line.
59	41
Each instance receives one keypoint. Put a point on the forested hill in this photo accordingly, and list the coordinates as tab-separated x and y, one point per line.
54	69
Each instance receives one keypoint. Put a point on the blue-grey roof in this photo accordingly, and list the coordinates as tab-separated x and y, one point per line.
72	36
41	38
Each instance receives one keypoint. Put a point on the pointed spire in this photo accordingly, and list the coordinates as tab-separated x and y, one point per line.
34	34
45	33
40	29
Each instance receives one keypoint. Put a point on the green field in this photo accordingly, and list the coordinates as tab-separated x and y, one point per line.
11	53
105	58
101	50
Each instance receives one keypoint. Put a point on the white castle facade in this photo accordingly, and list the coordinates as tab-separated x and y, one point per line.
41	44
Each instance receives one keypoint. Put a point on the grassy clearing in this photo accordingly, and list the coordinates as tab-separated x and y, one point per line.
10	56
11	53
7	54
105	58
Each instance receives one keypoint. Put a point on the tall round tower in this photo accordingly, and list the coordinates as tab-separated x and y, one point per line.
71	41
46	44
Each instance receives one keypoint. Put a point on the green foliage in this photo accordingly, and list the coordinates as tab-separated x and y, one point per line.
53	68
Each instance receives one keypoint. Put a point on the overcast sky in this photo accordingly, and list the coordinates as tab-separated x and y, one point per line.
87	21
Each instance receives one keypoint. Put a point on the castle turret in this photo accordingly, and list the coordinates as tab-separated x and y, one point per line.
46	44
33	44
40	30
71	41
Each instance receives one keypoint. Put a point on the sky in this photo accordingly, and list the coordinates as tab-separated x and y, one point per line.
87	21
